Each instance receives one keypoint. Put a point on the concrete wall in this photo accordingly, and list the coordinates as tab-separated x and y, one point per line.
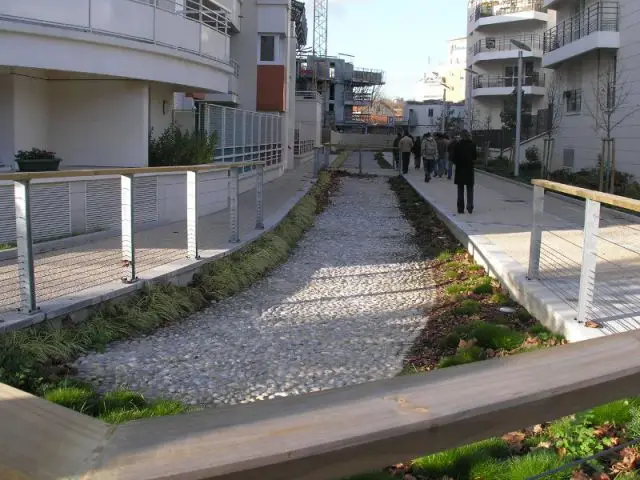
6	121
160	107
244	49
364	140
309	112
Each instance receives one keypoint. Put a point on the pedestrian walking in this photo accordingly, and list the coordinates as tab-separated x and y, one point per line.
464	158
406	147
450	148
396	150
417	152
429	155
441	141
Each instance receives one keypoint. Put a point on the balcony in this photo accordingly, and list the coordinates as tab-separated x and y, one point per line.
231	98
495	13
495	85
501	48
368	77
137	39
597	27
357	98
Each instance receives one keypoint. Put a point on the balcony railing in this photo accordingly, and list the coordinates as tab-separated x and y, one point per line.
307	95
599	17
374	77
186	26
534	79
490	9
503	44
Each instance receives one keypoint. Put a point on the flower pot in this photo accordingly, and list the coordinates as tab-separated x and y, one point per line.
39	165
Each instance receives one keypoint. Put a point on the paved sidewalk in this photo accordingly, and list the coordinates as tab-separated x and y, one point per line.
499	232
84	273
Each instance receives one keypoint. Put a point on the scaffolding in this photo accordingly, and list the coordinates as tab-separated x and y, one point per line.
320	63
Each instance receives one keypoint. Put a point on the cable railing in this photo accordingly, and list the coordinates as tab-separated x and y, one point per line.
503	44
533	79
590	260
492	8
186	26
598	17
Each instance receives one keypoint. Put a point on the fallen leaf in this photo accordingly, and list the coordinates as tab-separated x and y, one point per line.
592	324
538	428
600	476
532	341
490	352
562	452
630	457
466	343
580	475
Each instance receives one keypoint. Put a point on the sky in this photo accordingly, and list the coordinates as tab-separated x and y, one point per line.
405	38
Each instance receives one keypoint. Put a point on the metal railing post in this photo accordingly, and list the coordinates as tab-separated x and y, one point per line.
360	161
536	233
589	258
260	197
316	161
24	243
127	233
192	215
326	150
234	226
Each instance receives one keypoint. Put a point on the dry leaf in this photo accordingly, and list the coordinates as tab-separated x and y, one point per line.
630	457
532	341
467	343
538	428
600	476
545	445
592	324
562	452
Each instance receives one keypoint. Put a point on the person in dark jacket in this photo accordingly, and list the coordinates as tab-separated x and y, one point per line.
464	157
396	150
450	148
417	152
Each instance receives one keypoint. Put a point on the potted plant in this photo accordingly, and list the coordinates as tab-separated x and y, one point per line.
36	160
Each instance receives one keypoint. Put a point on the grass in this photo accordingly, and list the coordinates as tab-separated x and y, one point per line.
7	246
381	161
34	359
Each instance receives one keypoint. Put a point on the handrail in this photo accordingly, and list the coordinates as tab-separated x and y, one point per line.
534	79
598	17
327	435
503	43
25	176
606	198
191	10
489	9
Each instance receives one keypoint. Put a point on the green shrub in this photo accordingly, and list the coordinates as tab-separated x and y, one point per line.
450	341
444	256
177	147
121	400
484	287
633	427
462	356
520	468
497	337
499	298
467	307
576	435
617	413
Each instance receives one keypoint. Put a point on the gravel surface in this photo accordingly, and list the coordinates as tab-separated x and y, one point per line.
342	310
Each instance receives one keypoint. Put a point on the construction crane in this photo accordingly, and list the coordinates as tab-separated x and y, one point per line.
320	70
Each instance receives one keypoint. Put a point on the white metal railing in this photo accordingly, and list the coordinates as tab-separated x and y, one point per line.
304	138
243	135
122	199
593	264
182	25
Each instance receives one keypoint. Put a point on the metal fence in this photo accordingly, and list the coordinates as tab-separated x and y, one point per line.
532	79
305	138
591	262
243	135
122	200
503	44
507	7
191	27
598	17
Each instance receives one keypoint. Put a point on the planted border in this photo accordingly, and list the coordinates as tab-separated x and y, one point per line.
467	325
35	359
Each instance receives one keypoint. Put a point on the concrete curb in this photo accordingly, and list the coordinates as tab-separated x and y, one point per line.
541	302
79	306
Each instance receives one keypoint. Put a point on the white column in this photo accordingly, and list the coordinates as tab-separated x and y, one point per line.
536	233
589	259
234	227
260	197
128	222
24	244
192	215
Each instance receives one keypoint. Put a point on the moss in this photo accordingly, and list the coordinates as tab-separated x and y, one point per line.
462	356
484	287
467	307
497	337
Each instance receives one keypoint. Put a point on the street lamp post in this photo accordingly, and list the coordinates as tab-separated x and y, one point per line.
522	47
470	97
443	83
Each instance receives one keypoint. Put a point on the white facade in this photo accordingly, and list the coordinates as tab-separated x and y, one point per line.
452	72
493	57
89	79
426	117
601	49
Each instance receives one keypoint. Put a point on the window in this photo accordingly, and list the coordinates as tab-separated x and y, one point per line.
332	92
331	107
431	113
573	100
267	48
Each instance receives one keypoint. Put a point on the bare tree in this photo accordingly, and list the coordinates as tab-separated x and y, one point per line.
553	120
609	108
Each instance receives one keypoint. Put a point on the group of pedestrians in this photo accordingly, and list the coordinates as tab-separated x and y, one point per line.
438	154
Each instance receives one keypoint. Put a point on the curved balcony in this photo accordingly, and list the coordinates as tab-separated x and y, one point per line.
597	27
495	85
501	48
139	39
500	12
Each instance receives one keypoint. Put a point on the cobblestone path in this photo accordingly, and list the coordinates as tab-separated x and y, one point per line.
343	309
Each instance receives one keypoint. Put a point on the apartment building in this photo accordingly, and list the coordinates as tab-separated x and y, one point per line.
492	25
90	79
426	117
593	53
452	72
346	87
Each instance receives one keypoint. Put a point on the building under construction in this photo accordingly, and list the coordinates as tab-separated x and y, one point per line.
342	87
